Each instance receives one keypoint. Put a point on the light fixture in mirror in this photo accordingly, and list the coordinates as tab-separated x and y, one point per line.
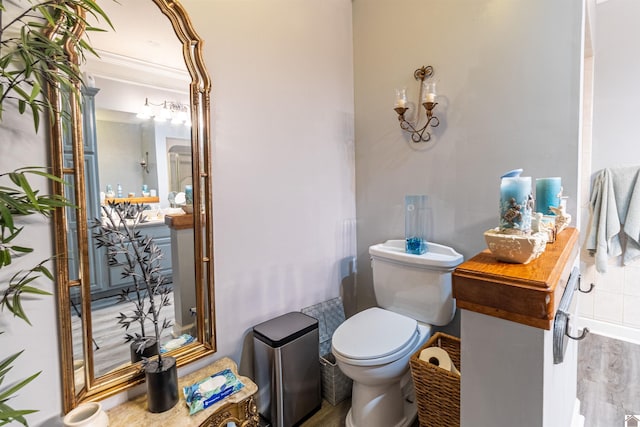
93	150
175	112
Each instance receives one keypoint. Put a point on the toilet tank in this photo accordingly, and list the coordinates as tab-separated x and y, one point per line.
418	286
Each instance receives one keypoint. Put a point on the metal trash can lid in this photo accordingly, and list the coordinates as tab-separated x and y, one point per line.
284	329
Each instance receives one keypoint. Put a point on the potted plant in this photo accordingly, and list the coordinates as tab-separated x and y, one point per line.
31	59
140	258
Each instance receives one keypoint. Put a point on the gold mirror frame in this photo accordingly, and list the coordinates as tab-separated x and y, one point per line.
129	376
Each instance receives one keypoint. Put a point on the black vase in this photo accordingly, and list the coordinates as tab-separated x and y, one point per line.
162	384
150	349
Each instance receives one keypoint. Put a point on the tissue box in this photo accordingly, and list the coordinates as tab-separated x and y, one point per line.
336	386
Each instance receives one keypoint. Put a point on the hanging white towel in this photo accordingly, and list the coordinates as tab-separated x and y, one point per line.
615	201
630	194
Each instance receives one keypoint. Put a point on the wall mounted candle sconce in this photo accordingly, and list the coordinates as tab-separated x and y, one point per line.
427	98
144	163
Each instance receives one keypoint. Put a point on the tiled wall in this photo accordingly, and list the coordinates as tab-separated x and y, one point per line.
616	297
613	308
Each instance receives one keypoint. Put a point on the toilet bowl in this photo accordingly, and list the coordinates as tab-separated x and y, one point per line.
373	347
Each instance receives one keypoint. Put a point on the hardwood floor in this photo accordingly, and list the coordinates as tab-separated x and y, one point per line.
329	415
333	416
608	380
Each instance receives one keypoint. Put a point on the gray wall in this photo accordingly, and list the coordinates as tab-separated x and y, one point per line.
509	85
282	127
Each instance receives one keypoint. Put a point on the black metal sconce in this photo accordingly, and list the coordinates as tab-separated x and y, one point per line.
144	163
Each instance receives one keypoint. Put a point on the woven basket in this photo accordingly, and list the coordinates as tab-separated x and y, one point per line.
336	386
437	390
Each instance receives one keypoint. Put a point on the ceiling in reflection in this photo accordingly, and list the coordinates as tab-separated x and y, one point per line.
142	47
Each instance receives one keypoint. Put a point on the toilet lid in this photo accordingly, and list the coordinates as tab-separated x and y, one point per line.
373	333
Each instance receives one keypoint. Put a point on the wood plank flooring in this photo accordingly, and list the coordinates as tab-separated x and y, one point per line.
608	380
329	415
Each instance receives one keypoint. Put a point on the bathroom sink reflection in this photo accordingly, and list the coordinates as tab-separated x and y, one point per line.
152	217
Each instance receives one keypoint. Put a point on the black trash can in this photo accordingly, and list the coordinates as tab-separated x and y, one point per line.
287	368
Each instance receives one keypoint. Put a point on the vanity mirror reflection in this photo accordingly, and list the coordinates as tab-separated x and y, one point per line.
107	151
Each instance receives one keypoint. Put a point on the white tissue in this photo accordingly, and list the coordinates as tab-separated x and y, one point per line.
212	384
175	343
439	357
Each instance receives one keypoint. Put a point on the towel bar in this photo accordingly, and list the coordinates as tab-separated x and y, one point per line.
563	315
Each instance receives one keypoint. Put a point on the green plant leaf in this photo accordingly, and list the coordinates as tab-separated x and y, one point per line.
33	290
6	363
5	394
22	249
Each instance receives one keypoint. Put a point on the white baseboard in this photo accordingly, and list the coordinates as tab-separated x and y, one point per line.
611	330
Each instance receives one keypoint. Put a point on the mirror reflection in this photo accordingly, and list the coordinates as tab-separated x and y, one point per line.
138	149
138	160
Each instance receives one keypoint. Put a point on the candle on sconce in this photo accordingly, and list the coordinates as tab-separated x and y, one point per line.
401	98
548	193
515	203
429	90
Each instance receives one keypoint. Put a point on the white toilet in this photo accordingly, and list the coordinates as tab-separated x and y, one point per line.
373	347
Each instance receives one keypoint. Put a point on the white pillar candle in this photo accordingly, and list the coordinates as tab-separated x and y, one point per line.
401	98
429	91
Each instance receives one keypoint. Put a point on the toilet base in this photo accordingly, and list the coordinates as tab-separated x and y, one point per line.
383	409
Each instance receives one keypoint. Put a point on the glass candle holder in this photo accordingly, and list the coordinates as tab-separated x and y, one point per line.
401	98
415	224
429	91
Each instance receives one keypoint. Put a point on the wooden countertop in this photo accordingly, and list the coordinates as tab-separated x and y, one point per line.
132	200
179	221
524	293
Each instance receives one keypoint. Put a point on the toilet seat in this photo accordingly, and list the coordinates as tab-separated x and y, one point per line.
375	336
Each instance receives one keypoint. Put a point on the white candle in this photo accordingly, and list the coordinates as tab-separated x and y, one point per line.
429	89
401	98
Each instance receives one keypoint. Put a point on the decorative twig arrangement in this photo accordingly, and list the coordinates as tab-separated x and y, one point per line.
140	257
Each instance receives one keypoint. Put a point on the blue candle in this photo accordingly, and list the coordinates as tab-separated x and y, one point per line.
515	203
548	192
188	194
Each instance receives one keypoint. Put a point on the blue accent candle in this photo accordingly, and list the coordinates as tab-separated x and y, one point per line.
188	194
515	203
415	224
548	192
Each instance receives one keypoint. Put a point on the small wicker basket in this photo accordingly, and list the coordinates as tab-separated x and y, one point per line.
437	390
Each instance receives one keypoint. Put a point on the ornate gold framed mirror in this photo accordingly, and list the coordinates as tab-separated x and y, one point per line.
162	164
